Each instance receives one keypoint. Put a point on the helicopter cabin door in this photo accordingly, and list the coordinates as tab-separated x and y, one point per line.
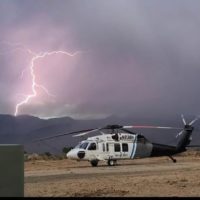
125	150
121	150
91	150
114	150
103	150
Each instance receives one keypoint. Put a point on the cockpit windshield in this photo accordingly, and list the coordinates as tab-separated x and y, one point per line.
83	145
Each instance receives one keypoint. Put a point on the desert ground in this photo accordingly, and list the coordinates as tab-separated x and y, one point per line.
148	177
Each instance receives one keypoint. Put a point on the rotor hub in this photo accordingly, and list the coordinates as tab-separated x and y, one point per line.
113	126
188	127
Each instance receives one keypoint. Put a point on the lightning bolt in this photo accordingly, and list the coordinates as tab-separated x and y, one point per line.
35	57
34	83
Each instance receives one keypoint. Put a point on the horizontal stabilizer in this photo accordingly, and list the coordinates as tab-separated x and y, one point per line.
193	146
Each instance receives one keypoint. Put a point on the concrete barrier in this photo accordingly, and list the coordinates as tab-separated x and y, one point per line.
11	170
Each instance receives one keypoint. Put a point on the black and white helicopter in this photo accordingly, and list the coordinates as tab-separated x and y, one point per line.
120	143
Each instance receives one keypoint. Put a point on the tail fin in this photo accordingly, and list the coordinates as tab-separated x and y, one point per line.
185	135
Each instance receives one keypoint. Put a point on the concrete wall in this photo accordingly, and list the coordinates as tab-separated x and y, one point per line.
11	170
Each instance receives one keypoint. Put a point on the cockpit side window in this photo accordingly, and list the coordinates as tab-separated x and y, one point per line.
83	145
92	146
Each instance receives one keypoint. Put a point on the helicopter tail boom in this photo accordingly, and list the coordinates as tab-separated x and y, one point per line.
185	138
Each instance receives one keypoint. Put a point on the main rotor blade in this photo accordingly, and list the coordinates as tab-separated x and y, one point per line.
192	122
179	133
59	135
127	131
158	127
184	122
87	132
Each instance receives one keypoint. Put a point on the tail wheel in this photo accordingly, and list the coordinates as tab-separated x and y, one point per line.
112	162
94	163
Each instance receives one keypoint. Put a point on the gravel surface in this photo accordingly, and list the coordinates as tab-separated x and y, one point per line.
141	177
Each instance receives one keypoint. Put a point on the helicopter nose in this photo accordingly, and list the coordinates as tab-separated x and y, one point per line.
72	154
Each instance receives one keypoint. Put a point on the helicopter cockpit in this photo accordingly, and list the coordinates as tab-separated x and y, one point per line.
81	145
86	145
79	151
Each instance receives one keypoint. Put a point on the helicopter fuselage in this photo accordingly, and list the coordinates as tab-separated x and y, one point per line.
104	147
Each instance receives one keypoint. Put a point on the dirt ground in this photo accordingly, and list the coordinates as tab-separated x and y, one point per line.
149	177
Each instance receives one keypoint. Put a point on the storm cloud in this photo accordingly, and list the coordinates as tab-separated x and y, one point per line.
137	57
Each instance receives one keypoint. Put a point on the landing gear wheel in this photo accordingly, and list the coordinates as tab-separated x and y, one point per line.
174	160
94	163
112	162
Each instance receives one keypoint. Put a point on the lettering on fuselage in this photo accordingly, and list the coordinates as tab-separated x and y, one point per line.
126	137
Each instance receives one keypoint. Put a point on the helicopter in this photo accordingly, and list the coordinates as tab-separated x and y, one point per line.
122	144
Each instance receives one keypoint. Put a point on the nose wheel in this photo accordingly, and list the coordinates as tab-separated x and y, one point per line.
94	163
112	162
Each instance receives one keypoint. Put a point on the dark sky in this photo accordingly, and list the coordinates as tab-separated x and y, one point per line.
136	57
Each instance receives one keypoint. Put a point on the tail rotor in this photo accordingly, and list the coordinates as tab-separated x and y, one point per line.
193	121
184	121
187	126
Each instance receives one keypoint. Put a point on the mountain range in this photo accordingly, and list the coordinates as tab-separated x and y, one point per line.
23	129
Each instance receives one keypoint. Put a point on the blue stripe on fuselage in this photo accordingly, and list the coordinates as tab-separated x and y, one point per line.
134	148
